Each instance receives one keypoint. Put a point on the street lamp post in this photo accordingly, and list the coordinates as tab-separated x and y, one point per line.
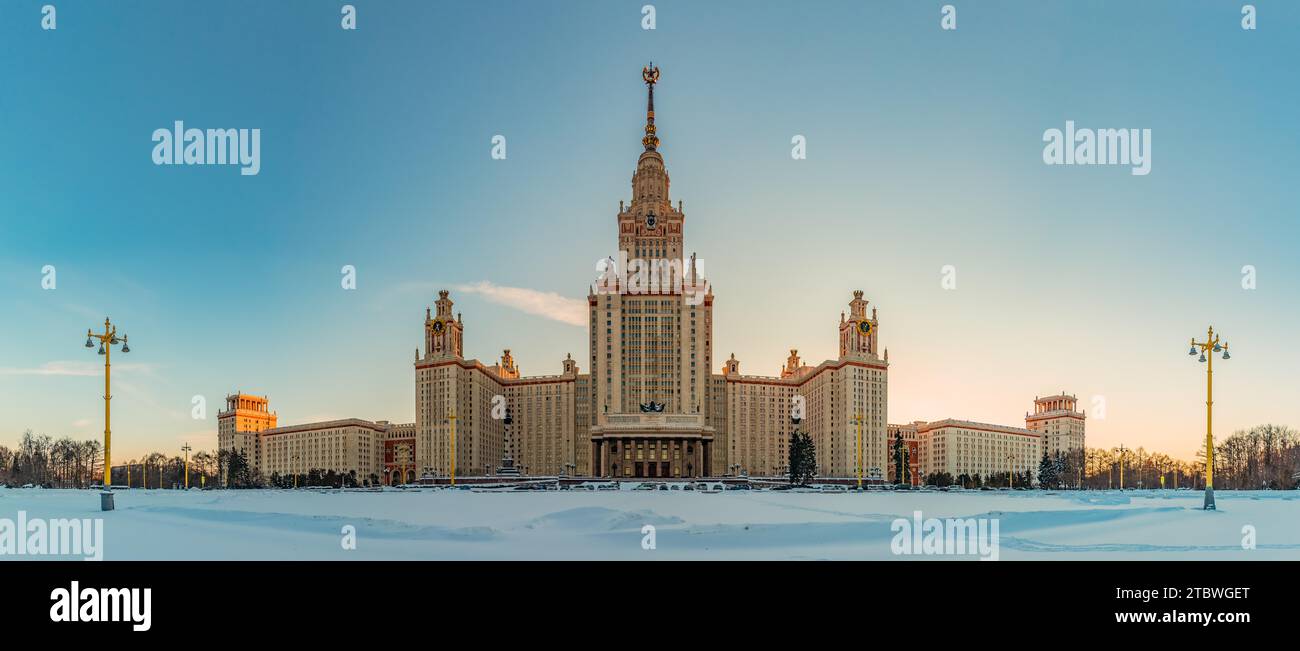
1010	459
857	419
106	342
1210	345
451	418
1121	466
186	449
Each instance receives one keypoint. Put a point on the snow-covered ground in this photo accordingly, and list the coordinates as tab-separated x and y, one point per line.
292	525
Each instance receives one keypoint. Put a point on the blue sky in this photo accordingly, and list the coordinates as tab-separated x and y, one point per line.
924	150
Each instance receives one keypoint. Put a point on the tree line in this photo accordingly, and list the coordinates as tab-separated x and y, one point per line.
42	460
1263	457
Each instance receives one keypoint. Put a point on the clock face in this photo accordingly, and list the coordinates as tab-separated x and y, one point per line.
650	220
864	327
437	327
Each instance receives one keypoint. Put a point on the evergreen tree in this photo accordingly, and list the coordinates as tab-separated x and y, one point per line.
900	459
1067	471
1047	473
803	459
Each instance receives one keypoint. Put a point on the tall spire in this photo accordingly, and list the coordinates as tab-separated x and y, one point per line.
651	76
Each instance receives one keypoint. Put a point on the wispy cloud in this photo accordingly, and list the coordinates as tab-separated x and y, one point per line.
76	369
548	305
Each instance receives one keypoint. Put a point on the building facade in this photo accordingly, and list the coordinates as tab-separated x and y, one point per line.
965	447
650	405
239	426
1060	422
961	447
349	446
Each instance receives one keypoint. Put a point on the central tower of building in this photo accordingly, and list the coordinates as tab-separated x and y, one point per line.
651	320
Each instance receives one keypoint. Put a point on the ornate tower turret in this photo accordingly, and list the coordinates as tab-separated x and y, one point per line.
732	367
858	333
507	368
442	333
792	364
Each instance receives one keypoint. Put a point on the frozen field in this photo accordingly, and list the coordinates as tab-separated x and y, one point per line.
293	525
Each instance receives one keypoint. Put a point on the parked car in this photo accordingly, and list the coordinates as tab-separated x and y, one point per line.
607	487
834	488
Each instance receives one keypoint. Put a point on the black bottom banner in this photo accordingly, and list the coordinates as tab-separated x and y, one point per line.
372	600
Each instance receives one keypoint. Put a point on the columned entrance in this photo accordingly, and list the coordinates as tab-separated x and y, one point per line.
651	446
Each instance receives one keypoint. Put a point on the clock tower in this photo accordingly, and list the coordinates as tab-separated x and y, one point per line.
858	332
442	333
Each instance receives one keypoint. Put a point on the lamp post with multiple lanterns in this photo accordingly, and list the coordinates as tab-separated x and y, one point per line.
1212	344
107	340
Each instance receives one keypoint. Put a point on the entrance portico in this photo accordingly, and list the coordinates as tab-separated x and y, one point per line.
651	445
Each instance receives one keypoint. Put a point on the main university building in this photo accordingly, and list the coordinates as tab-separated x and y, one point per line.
650	405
